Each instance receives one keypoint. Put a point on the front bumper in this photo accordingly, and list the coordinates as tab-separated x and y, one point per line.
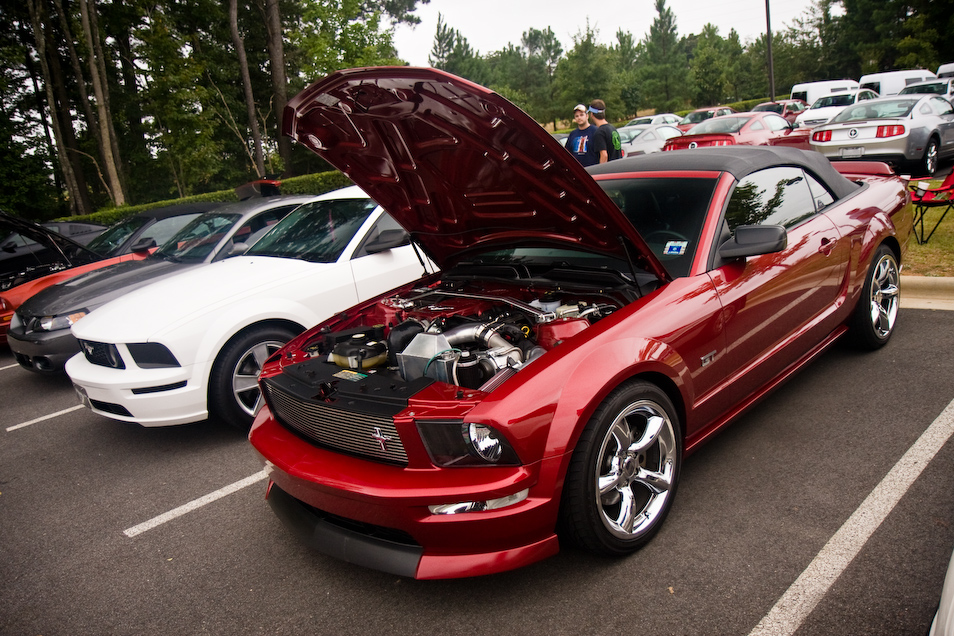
42	351
376	515
148	397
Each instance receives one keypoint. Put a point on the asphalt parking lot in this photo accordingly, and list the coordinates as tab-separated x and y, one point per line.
844	474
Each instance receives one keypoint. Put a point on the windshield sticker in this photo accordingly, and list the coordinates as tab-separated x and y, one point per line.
676	248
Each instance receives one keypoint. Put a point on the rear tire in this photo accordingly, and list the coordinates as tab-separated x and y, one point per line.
876	314
928	163
623	474
234	395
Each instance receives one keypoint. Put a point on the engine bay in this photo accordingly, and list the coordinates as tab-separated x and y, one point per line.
454	332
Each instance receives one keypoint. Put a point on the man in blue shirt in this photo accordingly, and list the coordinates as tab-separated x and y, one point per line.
584	142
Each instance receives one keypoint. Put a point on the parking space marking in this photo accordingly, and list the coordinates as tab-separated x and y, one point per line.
194	504
45	417
812	585
9	366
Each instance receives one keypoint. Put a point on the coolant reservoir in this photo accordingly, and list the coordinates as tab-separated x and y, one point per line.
361	351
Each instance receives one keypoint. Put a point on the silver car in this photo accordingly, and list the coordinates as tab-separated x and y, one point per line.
911	131
644	139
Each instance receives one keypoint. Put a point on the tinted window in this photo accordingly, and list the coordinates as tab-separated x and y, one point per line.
776	196
194	242
667	213
114	237
164	229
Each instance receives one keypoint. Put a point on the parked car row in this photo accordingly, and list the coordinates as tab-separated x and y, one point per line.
482	349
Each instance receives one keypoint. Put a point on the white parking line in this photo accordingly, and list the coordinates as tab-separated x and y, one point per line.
802	597
45	417
9	366
194	504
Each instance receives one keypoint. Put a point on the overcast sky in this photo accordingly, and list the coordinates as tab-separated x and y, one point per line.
489	25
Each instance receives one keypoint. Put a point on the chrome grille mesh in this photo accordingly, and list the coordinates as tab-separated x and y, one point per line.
359	434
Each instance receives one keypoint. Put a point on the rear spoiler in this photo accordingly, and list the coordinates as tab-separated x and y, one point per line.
267	187
874	168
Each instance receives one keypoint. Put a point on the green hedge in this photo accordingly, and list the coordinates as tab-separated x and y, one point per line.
307	184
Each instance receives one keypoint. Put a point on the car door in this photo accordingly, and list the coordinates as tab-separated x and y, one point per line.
778	305
376	273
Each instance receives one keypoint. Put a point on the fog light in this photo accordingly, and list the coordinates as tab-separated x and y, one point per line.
479	506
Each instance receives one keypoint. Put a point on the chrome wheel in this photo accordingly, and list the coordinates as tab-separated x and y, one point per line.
622	478
245	389
885	295
876	314
634	474
929	162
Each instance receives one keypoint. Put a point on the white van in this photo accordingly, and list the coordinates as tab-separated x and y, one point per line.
891	82
809	92
945	70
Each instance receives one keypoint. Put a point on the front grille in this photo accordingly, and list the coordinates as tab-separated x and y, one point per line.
102	354
371	436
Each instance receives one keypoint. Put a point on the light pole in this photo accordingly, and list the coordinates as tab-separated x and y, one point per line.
768	42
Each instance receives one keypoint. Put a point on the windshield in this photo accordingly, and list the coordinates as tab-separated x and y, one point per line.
626	135
316	232
846	99
937	88
720	125
768	108
667	212
114	237
697	116
892	109
194	242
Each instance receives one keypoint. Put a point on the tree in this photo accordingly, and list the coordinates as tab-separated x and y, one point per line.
709	65
664	75
585	73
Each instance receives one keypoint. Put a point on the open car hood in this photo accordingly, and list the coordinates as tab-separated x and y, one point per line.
460	167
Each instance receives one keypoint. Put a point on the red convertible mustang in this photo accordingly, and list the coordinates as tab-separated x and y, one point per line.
588	329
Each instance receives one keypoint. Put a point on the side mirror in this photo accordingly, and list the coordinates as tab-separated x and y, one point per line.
143	245
754	240
386	240
10	247
238	248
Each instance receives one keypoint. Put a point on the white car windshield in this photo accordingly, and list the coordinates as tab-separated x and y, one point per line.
317	232
846	99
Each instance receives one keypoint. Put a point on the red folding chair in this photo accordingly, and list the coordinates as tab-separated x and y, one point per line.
925	198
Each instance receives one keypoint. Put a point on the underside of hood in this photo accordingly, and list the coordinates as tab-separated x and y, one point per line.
460	167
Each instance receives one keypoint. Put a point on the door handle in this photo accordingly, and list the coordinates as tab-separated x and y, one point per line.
827	245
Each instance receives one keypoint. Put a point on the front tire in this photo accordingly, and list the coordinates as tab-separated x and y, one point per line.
876	315
234	395
623	474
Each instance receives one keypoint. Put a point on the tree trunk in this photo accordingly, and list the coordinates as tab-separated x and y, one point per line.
76	194
247	84
276	59
102	109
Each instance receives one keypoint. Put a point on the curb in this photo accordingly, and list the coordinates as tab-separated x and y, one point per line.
928	286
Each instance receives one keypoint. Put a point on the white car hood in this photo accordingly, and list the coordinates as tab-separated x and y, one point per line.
825	113
145	313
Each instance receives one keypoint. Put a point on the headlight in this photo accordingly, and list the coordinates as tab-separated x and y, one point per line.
458	444
63	321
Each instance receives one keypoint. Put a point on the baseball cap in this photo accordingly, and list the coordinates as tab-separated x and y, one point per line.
596	111
579	107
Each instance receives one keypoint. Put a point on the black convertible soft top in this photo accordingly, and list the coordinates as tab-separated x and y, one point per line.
739	161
